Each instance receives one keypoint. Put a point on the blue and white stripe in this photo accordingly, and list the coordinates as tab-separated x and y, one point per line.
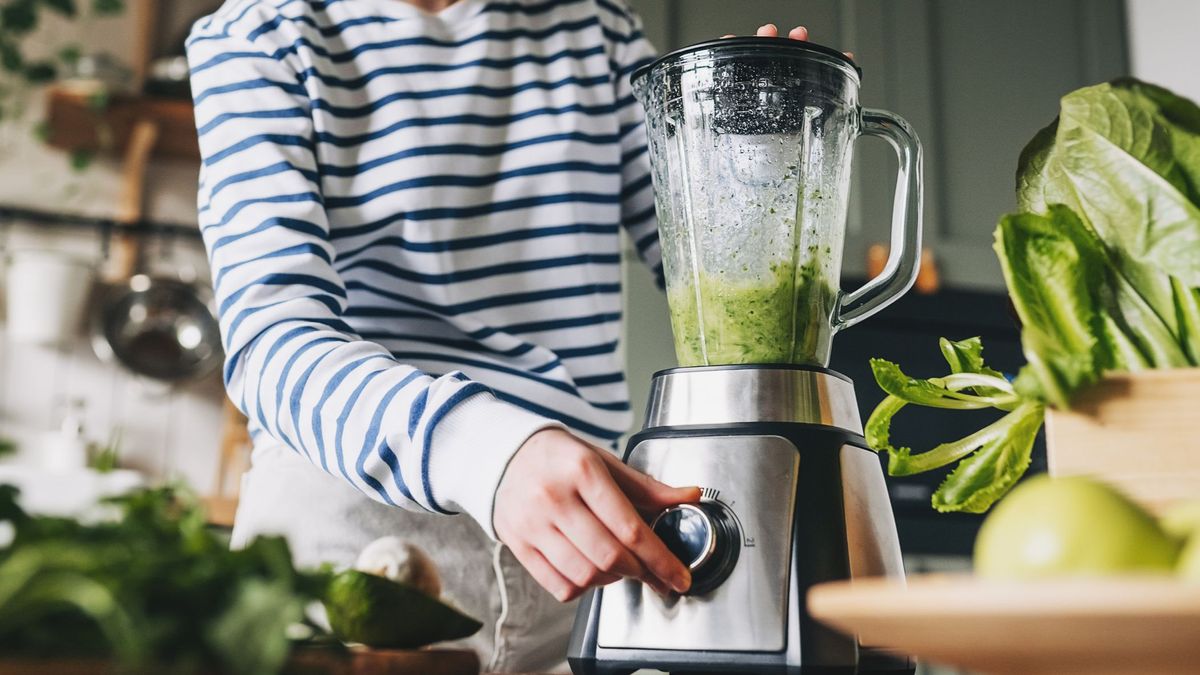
413	222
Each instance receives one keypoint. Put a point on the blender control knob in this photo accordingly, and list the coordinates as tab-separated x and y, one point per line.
705	537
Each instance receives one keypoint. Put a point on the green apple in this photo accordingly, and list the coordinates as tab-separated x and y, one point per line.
1188	568
1070	526
1182	519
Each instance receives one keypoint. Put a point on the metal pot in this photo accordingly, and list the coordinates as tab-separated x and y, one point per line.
161	328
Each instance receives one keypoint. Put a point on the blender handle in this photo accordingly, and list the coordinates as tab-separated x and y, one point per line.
904	259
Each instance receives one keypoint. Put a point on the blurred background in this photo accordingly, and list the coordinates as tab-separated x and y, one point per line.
98	172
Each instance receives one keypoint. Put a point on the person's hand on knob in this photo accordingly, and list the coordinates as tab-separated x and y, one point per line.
572	514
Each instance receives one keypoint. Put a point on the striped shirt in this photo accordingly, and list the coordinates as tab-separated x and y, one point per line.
413	224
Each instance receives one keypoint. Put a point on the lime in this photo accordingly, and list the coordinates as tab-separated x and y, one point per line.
382	613
1070	526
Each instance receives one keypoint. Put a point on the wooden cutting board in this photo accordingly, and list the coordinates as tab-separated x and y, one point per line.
305	662
1099	626
387	662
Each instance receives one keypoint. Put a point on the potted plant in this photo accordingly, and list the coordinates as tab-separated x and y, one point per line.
1102	265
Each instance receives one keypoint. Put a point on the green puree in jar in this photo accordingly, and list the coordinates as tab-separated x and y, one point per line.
782	318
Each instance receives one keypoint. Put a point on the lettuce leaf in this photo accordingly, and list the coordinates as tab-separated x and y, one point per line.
1059	279
1000	461
1125	156
993	458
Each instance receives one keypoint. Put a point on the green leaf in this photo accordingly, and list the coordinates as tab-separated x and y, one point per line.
250	637
99	101
878	430
81	159
1079	317
1126	157
1135	168
965	356
19	16
10	57
37	582
996	466
968	374
1055	269
940	392
10	511
1187	312
907	464
41	131
64	7
1039	184
40	72
108	6
901	460
70	54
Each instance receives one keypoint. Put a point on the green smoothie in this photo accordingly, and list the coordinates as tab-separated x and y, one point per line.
781	318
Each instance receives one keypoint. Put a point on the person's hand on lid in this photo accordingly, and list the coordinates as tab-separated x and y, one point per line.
797	33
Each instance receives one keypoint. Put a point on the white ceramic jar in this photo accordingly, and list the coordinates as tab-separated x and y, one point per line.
46	294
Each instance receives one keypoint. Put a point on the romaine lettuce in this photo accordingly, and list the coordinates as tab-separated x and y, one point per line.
1103	268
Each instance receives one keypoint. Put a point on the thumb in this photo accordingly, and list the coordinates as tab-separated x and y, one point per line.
645	492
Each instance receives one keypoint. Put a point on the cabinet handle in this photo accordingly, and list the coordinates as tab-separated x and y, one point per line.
929	279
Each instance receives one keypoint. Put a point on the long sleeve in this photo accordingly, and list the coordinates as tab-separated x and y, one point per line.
629	50
293	365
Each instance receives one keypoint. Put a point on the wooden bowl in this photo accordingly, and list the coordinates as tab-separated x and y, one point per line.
1099	626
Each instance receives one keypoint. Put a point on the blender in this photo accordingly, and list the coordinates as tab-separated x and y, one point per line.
750	143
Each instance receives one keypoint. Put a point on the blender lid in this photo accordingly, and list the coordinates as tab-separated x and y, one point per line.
762	43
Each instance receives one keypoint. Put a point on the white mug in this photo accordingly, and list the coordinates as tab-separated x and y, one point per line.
46	294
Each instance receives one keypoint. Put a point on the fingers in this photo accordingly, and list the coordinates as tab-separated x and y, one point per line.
646	493
579	525
544	573
571	564
603	496
771	30
797	33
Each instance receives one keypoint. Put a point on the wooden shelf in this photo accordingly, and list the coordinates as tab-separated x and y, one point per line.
73	123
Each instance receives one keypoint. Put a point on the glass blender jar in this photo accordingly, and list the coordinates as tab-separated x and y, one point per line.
751	142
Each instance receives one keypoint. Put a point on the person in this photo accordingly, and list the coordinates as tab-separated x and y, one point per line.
412	211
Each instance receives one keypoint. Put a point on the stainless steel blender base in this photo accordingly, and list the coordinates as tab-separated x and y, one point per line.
810	504
732	469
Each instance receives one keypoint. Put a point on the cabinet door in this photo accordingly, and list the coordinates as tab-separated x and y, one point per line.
977	80
656	21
